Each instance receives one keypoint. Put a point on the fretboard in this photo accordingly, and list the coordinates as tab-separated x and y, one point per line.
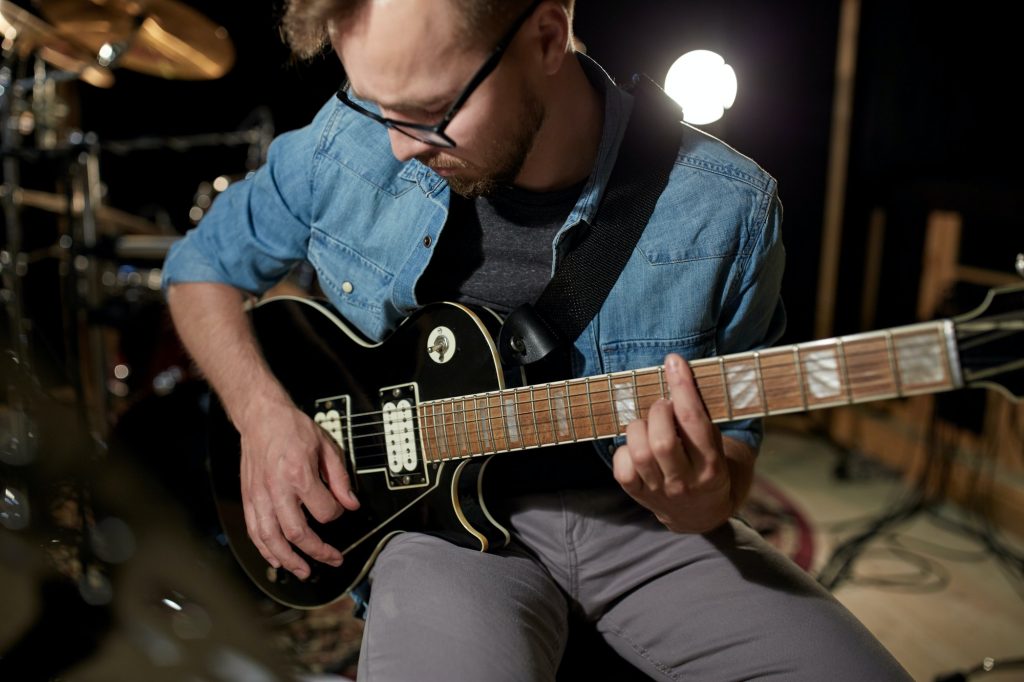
861	368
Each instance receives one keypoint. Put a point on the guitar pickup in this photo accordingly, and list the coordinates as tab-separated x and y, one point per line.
399	418
333	415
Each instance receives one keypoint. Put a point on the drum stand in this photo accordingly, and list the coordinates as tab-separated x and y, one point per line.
75	247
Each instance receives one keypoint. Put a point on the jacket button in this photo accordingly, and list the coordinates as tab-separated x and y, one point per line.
346	287
427	241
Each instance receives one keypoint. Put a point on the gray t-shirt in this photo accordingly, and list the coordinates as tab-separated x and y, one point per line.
496	250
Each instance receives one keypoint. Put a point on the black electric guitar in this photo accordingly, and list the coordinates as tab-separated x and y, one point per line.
419	415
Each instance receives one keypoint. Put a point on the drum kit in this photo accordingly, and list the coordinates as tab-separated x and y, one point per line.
84	337
74	268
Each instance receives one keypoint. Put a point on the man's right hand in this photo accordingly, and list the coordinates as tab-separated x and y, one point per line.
289	462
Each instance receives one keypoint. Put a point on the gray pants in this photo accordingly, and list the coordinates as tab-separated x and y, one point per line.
721	606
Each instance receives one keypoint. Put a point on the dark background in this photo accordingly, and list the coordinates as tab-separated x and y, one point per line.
932	126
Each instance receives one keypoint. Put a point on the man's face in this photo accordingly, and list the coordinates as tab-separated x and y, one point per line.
409	57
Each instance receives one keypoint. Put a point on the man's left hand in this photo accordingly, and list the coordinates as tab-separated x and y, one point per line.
674	462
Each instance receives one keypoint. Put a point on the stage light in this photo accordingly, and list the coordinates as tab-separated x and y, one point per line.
703	84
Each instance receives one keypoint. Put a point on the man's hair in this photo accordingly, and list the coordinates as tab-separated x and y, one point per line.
304	23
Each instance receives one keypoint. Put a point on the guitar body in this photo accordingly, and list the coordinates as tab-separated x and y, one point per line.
333	374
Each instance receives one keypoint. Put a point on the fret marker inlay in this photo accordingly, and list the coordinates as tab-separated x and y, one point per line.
511	418
821	369
920	361
743	388
625	405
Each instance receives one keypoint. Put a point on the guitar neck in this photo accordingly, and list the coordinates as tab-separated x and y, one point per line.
880	365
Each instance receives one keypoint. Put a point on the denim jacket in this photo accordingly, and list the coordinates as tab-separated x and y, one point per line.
704	278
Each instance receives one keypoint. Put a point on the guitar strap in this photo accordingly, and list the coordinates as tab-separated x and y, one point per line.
587	273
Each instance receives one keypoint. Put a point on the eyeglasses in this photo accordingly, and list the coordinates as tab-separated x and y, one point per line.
434	134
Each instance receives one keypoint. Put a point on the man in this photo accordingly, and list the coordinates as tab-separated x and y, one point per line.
431	176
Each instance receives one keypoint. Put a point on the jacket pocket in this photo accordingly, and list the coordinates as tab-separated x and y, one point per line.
640	353
356	285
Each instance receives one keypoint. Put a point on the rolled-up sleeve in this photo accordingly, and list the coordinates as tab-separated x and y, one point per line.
258	228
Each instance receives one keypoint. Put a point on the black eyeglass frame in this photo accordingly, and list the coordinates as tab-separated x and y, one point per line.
438	129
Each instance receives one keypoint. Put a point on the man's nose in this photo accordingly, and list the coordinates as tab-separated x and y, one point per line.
405	147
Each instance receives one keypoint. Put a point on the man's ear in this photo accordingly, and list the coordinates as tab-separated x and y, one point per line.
553	32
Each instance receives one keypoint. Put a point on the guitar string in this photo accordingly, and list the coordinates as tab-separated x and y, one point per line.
707	368
471	413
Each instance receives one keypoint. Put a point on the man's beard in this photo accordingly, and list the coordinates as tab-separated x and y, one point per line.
505	158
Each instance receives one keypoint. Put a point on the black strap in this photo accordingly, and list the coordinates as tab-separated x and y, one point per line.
587	273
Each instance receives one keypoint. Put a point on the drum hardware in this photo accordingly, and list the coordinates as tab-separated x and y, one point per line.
143	247
181	143
109	219
101	562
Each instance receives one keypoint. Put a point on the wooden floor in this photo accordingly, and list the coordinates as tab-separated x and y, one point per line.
930	591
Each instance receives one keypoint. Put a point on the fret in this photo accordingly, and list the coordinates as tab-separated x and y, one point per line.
439	446
893	363
946	362
800	377
424	428
444	432
869	367
522	399
923	359
743	387
844	372
590	408
438	429
533	412
822	376
465	427
489	423
636	396
661	381
780	381
570	417
512	424
483	438
455	433
525	421
551	416
471	424
760	382
576	394
500	407
725	386
613	404
455	428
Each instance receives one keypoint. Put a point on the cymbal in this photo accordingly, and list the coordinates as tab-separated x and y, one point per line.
156	37
29	34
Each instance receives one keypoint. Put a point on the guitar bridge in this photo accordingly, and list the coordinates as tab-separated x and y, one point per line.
405	465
